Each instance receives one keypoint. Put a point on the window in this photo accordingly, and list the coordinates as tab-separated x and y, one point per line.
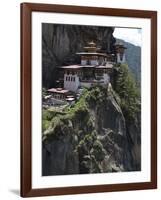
73	78
88	62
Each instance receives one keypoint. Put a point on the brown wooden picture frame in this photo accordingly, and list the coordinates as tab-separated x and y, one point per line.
26	103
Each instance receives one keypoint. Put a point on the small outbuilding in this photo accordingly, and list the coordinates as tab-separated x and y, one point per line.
59	93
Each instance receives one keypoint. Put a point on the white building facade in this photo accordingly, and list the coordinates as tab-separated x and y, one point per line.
121	58
71	82
120	53
95	68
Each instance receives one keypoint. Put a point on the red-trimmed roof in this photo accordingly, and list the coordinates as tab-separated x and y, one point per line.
72	67
58	90
88	66
107	66
70	99
92	54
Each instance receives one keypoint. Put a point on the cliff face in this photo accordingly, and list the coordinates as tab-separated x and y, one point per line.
61	42
91	137
101	132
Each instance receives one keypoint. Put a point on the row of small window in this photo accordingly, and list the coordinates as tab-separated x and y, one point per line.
57	96
70	72
68	78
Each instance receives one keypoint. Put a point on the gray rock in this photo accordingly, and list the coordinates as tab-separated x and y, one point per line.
61	42
67	146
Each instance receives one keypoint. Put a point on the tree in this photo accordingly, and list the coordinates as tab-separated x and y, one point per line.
126	88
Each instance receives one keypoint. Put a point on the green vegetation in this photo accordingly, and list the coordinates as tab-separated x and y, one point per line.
125	93
96	94
91	154
126	88
52	119
77	123
78	112
46	119
80	108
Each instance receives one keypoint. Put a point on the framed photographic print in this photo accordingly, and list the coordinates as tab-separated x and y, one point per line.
88	99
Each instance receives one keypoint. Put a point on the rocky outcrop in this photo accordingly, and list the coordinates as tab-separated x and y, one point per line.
91	137
94	135
59	156
61	42
134	143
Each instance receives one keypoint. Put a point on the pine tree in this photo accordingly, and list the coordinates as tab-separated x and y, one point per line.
126	88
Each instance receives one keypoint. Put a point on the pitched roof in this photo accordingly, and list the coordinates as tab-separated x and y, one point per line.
107	66
58	90
71	67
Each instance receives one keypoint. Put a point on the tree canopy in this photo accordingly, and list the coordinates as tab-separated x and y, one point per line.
126	88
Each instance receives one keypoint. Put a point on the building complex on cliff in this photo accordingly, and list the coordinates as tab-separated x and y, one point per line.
96	68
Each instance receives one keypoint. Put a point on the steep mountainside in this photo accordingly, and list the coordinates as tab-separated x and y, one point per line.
101	132
91	137
61	42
